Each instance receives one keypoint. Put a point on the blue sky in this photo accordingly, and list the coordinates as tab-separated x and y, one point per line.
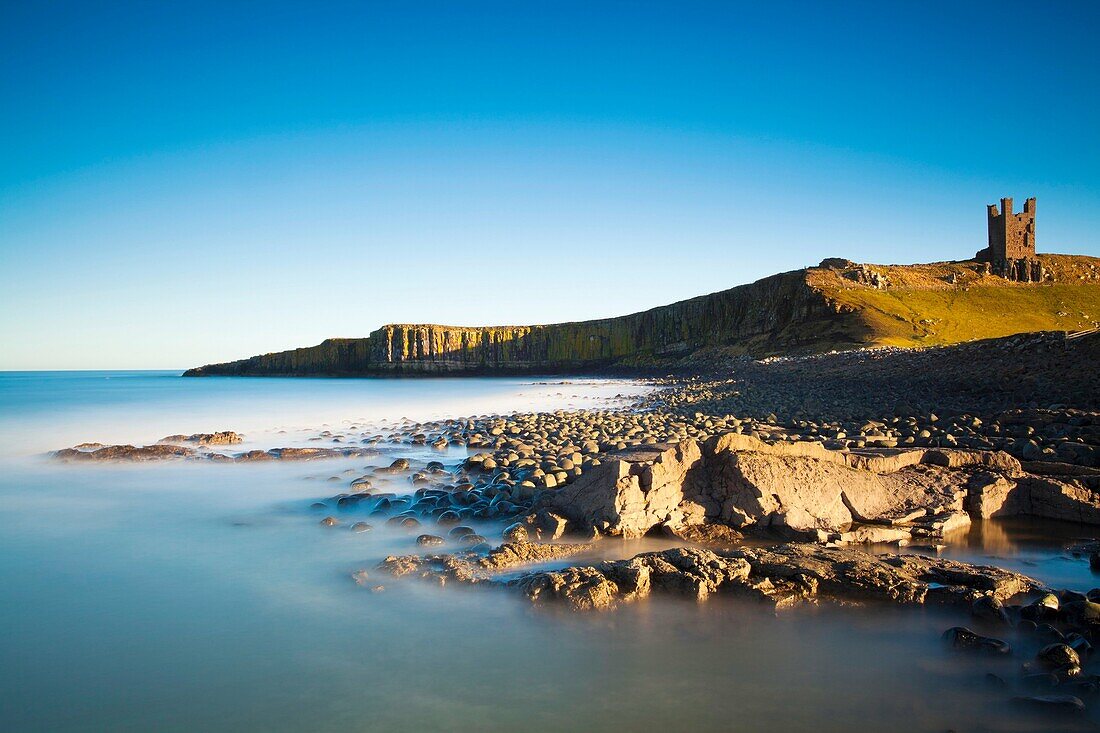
191	182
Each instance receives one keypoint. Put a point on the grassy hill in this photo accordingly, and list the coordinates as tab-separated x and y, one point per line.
951	302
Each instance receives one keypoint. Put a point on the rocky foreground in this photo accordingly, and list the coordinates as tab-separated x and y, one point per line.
897	473
1065	624
828	454
781	576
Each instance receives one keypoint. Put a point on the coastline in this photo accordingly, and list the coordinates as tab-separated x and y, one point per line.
510	480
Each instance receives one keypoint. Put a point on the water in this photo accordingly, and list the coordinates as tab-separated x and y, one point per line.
194	596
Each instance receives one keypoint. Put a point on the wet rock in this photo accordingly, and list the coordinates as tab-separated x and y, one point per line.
225	437
582	589
348	502
1079	644
692	572
1067	673
407	522
511	554
400	465
448	517
1080	612
849	574
780	576
1042	609
1046	632
1040	680
516	532
706	534
361	527
329	522
1058	655
989	608
399	565
429	540
551	526
1054	703
157	452
303	454
961	637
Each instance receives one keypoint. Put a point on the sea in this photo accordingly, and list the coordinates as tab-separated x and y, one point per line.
202	596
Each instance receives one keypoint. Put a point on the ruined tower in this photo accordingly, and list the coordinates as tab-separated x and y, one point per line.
1011	250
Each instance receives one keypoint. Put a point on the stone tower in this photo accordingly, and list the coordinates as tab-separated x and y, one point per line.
1011	250
1011	236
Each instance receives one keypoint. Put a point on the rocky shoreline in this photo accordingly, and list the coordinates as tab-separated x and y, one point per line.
780	575
833	456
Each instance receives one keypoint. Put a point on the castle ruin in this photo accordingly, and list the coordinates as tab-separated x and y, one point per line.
1011	250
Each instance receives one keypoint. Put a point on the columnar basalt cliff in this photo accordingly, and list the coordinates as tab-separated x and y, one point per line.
778	312
838	305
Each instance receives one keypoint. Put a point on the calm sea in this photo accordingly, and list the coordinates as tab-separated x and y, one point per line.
205	597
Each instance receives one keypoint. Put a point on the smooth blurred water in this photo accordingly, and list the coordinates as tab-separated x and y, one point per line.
198	596
41	411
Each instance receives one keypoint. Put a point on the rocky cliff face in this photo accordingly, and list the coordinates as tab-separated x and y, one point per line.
780	313
837	305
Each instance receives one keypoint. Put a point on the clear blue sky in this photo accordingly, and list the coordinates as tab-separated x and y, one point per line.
190	182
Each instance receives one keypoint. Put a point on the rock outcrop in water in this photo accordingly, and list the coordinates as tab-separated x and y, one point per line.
806	491
805	311
168	451
222	437
781	576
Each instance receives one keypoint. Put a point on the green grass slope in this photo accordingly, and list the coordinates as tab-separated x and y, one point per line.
953	302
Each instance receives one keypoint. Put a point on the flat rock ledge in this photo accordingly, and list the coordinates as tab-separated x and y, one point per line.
170	451
807	492
781	576
472	568
222	437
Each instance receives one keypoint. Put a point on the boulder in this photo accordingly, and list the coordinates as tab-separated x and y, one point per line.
511	554
1058	655
551	526
224	437
781	576
961	637
1058	703
803	490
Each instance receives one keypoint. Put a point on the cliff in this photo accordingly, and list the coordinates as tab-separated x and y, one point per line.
838	305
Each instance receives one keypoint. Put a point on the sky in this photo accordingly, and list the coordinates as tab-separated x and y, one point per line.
184	183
